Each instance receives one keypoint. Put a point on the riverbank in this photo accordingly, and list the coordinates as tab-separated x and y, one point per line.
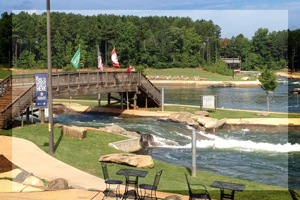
206	83
266	123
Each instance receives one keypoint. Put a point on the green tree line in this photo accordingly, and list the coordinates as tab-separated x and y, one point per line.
156	42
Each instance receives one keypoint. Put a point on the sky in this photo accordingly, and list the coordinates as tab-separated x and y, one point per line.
233	16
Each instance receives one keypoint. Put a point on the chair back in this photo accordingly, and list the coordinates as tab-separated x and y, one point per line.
187	180
157	178
104	170
294	195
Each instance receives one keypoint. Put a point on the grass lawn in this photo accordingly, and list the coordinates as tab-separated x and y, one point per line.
191	72
84	154
4	73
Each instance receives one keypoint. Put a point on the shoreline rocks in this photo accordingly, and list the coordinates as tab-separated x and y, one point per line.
140	161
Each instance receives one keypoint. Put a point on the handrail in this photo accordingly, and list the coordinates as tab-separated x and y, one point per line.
3	89
19	104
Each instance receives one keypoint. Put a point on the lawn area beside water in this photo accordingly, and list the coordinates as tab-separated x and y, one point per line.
220	114
84	154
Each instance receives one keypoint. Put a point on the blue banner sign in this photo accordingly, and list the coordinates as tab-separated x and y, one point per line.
41	90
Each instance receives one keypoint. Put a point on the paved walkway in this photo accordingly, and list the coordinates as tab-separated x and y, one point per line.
32	159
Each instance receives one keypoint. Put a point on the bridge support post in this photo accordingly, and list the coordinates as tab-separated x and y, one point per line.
134	101
108	99
127	100
146	102
122	99
22	123
27	115
99	100
42	116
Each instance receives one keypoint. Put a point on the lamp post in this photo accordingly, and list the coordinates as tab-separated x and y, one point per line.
50	100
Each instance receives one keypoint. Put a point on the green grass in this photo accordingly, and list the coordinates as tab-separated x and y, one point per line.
84	154
191	72
4	73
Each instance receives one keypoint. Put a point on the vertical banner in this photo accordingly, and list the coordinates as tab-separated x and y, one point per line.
41	90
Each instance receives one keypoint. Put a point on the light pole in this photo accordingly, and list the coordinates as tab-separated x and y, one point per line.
50	100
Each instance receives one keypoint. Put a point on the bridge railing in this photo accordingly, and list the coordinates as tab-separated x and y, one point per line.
5	84
94	78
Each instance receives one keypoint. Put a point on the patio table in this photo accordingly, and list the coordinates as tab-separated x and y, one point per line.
228	186
133	173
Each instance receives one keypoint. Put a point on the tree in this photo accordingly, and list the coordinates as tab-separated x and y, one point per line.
268	82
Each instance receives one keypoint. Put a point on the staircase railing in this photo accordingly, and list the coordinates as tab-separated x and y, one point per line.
5	85
150	89
18	105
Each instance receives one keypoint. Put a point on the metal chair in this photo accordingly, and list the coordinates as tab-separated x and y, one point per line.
294	195
153	187
197	193
109	182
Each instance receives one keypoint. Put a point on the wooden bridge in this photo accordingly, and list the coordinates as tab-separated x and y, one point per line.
18	92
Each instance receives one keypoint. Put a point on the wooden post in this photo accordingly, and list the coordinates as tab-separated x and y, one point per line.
135	101
146	102
122	99
22	123
42	116
27	115
127	100
108	99
31	102
99	99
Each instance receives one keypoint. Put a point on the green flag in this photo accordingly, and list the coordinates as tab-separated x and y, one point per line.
76	59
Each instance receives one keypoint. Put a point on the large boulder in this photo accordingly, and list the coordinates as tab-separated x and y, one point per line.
74	131
58	184
33	181
114	129
140	161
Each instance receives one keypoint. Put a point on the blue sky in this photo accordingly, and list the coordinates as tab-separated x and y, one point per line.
233	16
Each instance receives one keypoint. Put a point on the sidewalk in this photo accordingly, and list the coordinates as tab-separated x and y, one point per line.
27	156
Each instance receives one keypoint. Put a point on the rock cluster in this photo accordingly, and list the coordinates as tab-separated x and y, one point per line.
199	123
119	130
140	161
246	79
194	78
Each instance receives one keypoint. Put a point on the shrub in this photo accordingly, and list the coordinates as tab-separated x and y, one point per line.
68	68
220	67
140	69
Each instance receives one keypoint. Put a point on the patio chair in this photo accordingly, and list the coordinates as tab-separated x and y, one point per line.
109	182
197	191
153	187
294	195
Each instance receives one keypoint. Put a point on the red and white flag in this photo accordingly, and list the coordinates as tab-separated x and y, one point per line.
100	65
114	58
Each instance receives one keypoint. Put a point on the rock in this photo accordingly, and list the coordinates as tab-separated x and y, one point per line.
246	78
74	131
262	114
22	176
34	181
114	129
221	122
140	161
172	197
131	134
202	113
58	184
